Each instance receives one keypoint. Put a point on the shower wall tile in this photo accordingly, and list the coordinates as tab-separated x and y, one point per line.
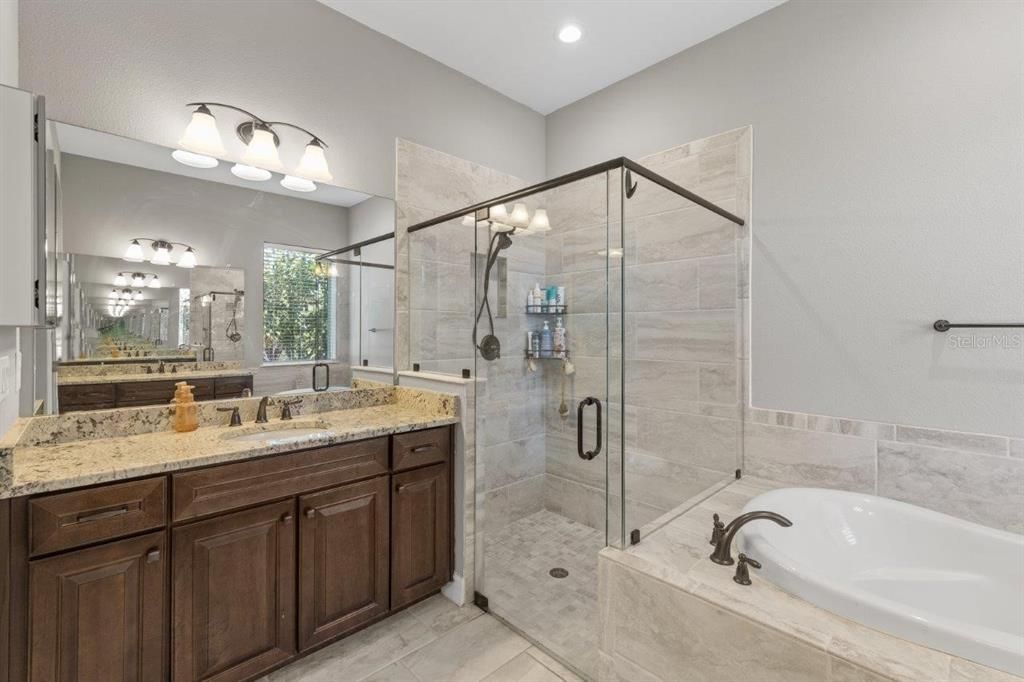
665	286
659	383
690	232
718	383
699	336
851	427
512	461
663	484
980	488
809	458
691	440
1017	447
511	503
955	440
718	288
575	501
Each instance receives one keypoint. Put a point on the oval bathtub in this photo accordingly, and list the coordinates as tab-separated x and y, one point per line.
927	577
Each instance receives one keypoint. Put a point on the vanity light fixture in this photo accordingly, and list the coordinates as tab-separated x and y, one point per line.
520	217
138	279
570	33
137	296
154	283
540	221
120	280
162	249
201	142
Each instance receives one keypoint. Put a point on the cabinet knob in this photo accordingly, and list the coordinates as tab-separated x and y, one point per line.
152	556
310	513
286	518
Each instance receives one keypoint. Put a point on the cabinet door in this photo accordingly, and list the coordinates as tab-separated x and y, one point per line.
343	559
420	533
99	613
234	593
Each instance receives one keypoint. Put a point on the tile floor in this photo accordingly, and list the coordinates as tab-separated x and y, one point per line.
433	641
559	614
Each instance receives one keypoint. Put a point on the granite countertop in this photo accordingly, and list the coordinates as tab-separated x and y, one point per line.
155	376
62	460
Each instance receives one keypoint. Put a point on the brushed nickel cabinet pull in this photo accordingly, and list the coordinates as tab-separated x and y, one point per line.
152	556
422	448
286	518
400	487
310	513
100	515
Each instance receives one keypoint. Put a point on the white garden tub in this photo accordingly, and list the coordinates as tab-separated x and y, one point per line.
924	576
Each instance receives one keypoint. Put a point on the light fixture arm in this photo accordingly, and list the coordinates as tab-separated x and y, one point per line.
269	124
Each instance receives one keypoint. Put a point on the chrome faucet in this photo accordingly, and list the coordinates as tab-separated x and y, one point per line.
261	411
723	554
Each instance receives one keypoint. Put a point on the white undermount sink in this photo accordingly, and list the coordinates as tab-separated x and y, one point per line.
281	432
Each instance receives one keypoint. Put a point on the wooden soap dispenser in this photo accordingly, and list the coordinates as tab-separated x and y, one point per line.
186	415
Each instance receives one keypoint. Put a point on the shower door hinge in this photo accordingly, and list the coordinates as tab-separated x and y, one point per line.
739	474
634	536
630	185
480	601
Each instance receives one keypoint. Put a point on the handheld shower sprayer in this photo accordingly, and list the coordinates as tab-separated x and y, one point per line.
489	346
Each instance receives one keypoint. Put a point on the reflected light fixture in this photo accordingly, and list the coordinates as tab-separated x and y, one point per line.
188	259
520	217
297	184
162	255
154	283
138	295
120	280
540	221
192	159
240	170
134	252
138	279
570	33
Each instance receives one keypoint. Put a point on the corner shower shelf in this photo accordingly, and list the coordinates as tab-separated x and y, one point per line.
547	309
547	355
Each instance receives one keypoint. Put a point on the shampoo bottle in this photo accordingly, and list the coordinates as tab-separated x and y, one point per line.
545	340
558	340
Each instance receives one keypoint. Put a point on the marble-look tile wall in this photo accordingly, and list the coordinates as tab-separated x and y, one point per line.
977	477
435	302
680	336
206	279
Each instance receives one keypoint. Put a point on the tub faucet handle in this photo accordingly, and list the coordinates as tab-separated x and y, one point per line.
717	530
742	572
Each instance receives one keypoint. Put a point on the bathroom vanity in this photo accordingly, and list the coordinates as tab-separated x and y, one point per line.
227	570
104	393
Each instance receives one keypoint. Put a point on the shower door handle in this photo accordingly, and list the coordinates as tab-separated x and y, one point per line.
587	454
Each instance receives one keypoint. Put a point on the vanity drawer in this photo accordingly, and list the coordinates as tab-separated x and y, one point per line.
76	397
232	486
65	520
232	387
419	448
145	393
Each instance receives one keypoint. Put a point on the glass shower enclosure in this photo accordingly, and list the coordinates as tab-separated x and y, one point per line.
577	306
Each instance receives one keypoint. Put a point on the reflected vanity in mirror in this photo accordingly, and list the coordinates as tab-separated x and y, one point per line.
165	272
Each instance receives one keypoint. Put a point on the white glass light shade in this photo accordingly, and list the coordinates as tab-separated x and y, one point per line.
333	270
499	213
188	259
520	216
112	295
138	279
154	283
120	281
297	184
138	296
468	221
540	221
252	173
193	159
570	34
262	152
161	256
201	135
502	227
134	252
313	165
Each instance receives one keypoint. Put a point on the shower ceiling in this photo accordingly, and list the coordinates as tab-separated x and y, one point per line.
513	47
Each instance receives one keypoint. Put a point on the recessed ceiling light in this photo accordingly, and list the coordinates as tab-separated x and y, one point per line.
570	33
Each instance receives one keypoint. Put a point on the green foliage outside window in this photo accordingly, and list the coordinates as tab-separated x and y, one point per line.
296	302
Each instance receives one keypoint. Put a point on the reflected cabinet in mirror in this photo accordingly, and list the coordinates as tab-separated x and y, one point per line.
165	272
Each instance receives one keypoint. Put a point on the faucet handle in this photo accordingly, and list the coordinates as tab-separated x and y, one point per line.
742	572
236	419
717	530
286	407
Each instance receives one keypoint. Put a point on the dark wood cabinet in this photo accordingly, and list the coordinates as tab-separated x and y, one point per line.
343	559
234	593
105	396
100	613
420	533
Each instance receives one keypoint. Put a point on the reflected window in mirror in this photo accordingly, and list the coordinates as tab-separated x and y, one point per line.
299	305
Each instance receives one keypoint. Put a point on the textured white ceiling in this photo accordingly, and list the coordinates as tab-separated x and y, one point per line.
512	46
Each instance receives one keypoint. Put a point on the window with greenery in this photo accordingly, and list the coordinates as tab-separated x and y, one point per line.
298	306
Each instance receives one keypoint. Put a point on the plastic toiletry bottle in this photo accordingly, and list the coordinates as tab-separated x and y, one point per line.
558	339
186	416
545	340
560	296
535	344
529	299
538	295
552	295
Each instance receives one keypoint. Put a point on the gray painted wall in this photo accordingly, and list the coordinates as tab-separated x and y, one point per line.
887	193
294	61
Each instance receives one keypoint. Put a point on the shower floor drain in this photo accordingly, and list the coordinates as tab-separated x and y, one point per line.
558	573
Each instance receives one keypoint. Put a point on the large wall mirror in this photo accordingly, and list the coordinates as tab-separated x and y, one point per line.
165	272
